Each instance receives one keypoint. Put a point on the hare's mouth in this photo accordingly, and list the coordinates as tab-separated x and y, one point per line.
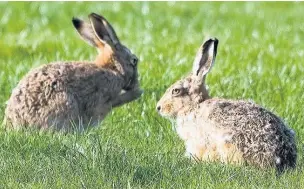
166	113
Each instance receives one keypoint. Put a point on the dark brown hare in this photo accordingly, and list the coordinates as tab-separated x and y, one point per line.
75	95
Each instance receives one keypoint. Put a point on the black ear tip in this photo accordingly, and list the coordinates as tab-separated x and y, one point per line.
94	15
76	22
214	40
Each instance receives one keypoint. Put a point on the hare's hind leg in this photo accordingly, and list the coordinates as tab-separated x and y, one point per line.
229	153
61	113
224	152
201	151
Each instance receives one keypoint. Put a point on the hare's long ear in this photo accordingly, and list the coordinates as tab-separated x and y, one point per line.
103	30
86	32
204	59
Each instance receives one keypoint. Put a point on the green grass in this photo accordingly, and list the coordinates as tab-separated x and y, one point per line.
260	57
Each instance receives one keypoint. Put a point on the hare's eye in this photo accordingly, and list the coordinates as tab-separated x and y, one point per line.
134	61
176	91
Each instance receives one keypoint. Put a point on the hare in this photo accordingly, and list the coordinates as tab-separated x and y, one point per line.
75	95
228	131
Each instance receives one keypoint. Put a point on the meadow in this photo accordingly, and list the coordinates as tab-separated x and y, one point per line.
260	57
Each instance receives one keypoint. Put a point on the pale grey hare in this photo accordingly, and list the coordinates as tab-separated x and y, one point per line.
77	94
228	131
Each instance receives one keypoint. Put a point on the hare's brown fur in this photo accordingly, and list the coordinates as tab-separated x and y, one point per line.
75	95
261	136
61	94
230	131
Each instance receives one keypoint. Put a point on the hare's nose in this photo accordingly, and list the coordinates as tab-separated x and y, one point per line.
158	108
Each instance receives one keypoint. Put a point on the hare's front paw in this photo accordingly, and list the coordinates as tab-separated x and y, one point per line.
127	96
137	92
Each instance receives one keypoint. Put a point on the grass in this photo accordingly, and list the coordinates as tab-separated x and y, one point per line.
260	57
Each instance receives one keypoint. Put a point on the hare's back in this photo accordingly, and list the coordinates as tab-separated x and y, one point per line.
62	77
242	115
40	83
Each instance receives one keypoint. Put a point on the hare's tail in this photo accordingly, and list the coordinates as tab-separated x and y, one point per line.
287	158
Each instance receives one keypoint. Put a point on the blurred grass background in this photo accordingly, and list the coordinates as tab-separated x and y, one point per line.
259	57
